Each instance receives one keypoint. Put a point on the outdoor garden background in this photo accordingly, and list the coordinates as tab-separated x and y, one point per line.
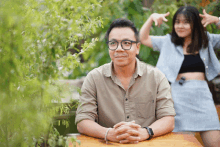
45	41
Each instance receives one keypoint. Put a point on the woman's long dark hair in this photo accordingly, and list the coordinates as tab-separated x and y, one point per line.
199	36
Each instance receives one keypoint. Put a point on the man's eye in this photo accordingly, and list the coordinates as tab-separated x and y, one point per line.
112	43
127	42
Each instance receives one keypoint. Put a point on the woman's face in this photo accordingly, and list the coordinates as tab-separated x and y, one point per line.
182	27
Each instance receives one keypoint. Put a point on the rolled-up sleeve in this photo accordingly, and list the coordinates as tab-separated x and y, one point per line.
87	108
164	105
215	40
157	42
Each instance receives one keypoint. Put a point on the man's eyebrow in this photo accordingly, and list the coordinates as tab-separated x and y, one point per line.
120	40
112	39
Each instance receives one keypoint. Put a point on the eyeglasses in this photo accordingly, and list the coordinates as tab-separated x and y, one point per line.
125	44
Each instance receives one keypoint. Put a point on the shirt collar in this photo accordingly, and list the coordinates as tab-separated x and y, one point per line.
139	68
108	70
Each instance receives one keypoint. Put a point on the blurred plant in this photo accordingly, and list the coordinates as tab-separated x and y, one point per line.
134	11
55	140
34	42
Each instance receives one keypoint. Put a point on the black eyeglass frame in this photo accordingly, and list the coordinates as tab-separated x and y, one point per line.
121	44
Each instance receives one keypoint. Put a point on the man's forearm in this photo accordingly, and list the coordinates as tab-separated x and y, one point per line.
91	128
162	126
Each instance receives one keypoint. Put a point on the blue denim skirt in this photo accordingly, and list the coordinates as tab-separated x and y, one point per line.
194	106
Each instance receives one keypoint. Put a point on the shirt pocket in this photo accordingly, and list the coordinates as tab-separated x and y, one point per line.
145	109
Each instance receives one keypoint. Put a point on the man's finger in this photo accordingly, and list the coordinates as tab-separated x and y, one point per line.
124	141
133	121
122	123
133	132
135	125
133	138
122	129
119	124
123	136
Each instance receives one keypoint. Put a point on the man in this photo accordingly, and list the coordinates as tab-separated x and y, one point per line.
125	95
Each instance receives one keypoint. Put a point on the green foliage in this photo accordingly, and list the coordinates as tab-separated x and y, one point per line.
34	42
134	11
56	140
34	52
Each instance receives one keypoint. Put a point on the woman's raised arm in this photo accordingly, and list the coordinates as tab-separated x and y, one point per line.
208	19
145	30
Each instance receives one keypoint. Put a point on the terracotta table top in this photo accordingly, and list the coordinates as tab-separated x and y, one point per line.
168	140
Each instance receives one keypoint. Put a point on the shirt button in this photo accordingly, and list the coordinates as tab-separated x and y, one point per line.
127	117
206	66
204	59
126	99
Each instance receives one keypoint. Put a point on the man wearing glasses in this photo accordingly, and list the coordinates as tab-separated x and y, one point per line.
125	101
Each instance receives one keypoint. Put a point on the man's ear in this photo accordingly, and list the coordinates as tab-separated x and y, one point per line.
138	48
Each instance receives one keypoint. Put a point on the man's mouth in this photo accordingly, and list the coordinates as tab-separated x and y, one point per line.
120	56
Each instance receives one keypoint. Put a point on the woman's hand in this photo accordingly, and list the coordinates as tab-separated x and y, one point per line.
208	19
145	29
159	18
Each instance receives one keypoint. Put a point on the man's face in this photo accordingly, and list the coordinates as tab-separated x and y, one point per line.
121	57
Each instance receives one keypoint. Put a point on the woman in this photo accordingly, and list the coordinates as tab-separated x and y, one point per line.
187	59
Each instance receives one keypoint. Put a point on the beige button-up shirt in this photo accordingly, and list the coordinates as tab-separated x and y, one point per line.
104	100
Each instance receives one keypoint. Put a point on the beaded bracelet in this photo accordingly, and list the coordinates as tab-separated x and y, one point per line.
106	135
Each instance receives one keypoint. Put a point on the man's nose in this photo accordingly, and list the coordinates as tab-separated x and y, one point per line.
119	47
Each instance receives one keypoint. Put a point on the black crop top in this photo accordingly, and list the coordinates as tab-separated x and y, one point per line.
192	63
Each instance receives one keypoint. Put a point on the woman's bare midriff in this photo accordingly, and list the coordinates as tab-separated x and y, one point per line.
192	76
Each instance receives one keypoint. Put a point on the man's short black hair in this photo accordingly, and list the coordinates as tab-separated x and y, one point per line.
122	23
